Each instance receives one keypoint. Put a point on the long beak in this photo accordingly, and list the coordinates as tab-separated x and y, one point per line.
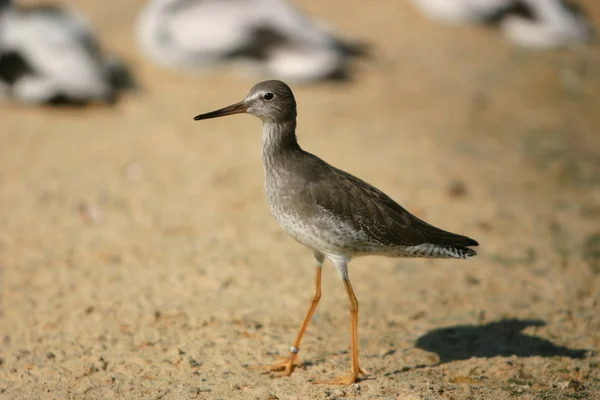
237	108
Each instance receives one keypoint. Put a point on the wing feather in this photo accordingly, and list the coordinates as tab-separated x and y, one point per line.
373	214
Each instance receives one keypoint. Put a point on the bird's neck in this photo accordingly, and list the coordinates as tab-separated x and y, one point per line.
278	141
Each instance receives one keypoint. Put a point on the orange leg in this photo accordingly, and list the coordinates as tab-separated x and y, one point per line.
354	367
287	366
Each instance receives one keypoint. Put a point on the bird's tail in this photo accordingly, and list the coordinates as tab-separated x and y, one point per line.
459	251
431	250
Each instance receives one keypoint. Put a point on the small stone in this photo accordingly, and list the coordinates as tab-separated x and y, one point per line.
194	363
484	226
90	212
575	385
388	353
457	189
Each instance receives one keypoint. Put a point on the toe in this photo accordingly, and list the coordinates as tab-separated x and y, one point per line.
285	367
344	380
285	372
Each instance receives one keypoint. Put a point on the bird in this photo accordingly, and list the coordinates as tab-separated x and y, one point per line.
533	24
49	55
270	37
332	212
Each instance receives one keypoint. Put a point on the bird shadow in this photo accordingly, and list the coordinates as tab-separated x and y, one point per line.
500	338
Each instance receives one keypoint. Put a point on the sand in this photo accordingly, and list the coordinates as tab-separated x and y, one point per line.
138	258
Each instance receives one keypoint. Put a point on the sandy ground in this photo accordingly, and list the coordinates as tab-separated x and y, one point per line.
138	258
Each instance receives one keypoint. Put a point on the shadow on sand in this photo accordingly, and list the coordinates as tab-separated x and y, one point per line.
500	338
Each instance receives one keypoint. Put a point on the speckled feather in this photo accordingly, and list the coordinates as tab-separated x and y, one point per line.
335	212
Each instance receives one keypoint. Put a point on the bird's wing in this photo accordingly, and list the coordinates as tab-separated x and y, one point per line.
372	214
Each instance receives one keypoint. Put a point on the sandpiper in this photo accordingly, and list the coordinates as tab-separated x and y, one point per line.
333	213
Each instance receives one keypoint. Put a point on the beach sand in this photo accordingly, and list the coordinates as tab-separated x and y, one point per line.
138	257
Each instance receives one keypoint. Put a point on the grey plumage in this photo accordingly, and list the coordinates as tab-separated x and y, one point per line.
330	198
329	210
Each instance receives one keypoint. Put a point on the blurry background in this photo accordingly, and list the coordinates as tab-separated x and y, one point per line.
138	258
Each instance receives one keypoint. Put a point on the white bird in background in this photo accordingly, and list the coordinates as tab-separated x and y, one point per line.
541	24
48	55
271	36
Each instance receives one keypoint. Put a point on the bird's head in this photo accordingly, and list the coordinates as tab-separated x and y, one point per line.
271	101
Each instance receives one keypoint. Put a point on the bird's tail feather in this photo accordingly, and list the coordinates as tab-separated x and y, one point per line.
431	250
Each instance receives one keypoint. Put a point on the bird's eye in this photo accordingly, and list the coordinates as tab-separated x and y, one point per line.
268	96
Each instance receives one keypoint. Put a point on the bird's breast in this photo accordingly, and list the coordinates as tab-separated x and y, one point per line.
306	222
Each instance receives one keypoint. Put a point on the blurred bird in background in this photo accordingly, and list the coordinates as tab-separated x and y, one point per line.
49	55
271	37
536	24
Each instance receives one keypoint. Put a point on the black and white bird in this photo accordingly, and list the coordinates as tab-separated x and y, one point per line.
271	37
49	55
535	24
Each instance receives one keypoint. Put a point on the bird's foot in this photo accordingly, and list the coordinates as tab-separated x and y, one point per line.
283	368
343	380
